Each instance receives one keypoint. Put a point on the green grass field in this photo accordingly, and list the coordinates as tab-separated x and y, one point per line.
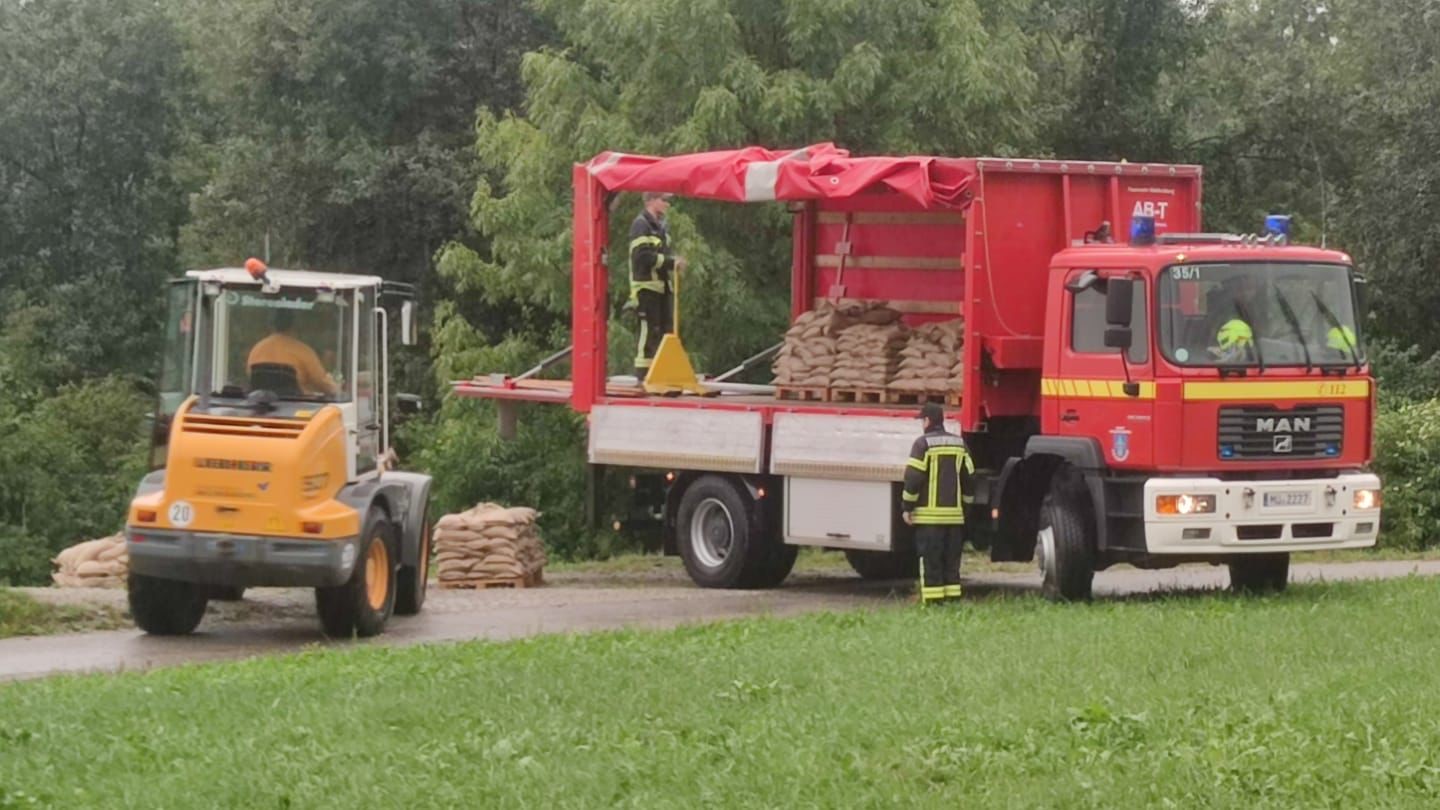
1323	697
22	616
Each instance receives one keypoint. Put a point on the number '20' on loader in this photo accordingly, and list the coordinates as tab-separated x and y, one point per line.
271	439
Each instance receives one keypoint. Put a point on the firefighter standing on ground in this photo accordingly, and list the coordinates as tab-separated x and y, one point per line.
651	266
937	488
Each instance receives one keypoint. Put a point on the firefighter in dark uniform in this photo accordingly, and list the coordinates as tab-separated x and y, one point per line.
651	266
937	489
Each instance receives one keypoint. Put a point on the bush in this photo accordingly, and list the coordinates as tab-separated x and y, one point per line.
1403	374
1407	458
71	465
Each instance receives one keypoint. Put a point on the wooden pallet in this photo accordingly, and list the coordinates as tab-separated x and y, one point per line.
876	395
951	398
484	583
803	393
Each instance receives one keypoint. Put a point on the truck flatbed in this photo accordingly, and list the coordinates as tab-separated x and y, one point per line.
623	391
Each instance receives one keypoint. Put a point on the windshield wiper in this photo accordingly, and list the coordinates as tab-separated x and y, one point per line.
1289	314
1335	324
1254	339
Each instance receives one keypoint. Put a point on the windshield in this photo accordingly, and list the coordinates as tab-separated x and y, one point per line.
1259	314
294	344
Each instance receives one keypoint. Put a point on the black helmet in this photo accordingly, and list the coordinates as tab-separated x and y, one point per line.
932	413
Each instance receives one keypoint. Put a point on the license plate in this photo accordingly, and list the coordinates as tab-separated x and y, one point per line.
1287	499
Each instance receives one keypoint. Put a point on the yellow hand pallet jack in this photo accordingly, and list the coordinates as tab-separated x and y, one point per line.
670	372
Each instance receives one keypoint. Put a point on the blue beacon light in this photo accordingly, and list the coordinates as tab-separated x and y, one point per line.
1142	230
1277	225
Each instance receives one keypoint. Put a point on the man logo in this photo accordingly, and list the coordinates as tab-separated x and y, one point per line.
1284	444
1269	424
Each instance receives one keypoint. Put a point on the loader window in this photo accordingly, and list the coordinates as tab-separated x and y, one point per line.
295	343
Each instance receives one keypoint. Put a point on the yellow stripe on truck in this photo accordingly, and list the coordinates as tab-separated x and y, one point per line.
1267	391
1093	389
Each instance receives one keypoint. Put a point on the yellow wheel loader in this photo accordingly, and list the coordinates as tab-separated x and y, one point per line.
272	442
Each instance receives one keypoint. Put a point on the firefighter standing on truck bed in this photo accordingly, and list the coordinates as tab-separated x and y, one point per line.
651	263
937	488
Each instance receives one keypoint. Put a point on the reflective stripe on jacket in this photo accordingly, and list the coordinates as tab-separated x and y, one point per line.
650	259
938	479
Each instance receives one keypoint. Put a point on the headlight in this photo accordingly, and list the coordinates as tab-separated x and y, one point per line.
1367	499
1185	504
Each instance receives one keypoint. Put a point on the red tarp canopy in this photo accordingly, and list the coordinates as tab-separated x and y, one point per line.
815	172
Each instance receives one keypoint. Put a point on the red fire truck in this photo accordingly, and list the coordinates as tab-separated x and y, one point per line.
1144	393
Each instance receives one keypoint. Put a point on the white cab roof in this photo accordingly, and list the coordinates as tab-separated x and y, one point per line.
287	278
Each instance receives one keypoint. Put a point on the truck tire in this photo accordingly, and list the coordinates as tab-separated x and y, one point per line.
227	593
165	607
722	539
361	606
883	565
1259	573
414	581
1065	540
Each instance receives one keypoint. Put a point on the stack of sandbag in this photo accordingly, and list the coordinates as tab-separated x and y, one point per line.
489	542
930	361
867	354
102	563
809	351
811	344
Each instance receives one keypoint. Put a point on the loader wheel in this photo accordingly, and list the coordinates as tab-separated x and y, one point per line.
1259	573
414	581
165	607
361	606
1065	541
723	541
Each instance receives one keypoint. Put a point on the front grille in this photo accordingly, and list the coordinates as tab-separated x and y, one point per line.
1265	431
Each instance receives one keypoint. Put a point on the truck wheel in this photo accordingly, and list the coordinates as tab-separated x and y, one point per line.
165	607
414	581
882	565
1259	573
361	606
722	540
227	593
1065	542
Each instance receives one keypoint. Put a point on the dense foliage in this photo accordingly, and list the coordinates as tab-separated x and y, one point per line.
430	141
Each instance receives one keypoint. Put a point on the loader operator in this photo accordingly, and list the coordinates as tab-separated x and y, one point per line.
651	292
937	489
280	348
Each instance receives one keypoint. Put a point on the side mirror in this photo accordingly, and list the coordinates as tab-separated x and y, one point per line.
408	328
1362	298
409	404
1119	337
1119	300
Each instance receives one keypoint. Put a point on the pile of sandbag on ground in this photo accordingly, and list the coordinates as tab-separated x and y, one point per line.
102	563
930	361
867	354
489	542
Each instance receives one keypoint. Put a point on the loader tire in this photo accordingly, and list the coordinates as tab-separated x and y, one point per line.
165	607
362	605
414	581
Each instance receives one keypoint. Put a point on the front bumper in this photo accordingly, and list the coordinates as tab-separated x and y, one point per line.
213	558
1243	522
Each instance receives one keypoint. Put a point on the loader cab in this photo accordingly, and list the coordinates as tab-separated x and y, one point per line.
283	346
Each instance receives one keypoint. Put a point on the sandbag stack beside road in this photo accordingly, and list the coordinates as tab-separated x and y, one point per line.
489	542
930	361
102	563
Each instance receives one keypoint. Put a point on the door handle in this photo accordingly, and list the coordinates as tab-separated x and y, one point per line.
1070	416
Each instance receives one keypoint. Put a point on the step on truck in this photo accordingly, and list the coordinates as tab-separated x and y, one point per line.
1135	390
271	453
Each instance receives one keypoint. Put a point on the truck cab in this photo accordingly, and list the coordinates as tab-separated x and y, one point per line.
272	453
1211	396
